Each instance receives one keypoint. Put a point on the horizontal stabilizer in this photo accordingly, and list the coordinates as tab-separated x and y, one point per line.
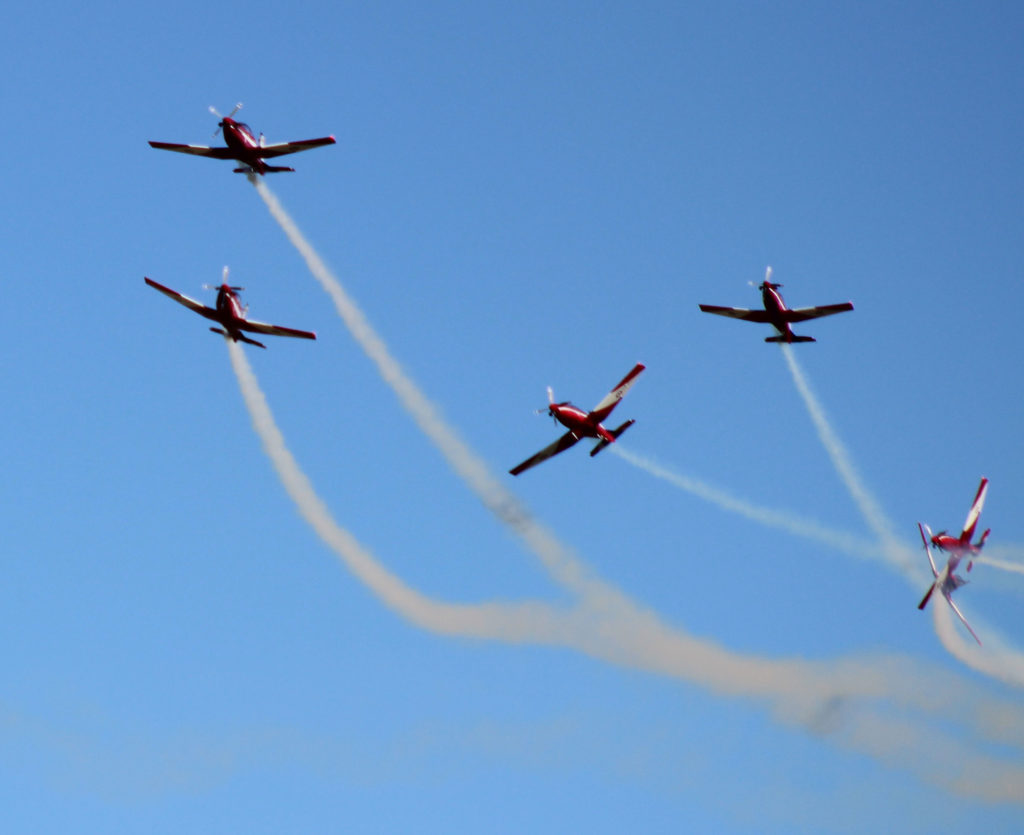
240	336
927	597
614	433
267	169
793	338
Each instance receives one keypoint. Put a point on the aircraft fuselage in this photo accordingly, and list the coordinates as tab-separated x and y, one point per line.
239	137
776	309
579	422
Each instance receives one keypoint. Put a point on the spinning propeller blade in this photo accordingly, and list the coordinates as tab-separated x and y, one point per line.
768	280
551	402
220	119
224	282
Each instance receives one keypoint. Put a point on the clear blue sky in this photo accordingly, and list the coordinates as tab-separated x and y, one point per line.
519	197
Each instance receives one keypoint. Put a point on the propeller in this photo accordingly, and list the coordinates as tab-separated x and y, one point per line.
767	281
551	402
224	282
220	123
926	535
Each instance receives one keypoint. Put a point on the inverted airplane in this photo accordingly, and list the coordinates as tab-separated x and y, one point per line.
243	146
230	314
947	581
777	314
583	424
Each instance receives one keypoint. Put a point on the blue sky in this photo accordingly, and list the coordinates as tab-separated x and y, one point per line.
519	197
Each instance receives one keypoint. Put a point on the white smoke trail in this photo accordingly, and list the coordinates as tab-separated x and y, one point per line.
896	552
769	517
1006	551
995	659
507	622
1015	567
852	701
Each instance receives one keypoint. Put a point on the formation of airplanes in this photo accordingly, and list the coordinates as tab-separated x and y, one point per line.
243	146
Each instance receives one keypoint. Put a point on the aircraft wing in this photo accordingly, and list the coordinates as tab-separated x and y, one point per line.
274	330
975	512
931	562
737	313
927	548
180	298
611	400
802	314
197	150
283	148
562	444
963	620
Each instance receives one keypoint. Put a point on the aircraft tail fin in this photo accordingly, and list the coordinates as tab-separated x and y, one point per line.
614	433
793	338
979	546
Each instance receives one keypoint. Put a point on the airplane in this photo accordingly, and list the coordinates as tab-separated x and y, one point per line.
777	314
583	424
947	580
243	146
230	314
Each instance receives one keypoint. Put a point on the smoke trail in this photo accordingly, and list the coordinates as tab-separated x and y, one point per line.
863	704
512	623
997	659
896	552
1006	551
1015	567
769	517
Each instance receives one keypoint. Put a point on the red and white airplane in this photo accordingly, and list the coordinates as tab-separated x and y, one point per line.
958	547
230	314
242	145
583	424
777	314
